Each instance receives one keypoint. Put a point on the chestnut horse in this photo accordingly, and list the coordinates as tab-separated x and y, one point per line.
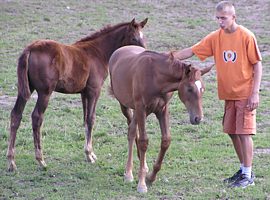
47	66
144	81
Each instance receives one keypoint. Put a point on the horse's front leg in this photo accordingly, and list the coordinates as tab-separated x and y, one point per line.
140	115
89	101
163	118
37	119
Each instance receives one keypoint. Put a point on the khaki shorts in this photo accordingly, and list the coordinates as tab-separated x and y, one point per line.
238	119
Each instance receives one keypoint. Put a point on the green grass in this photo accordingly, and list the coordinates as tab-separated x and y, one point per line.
199	156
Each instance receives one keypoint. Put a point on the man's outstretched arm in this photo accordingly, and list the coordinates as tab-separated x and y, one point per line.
183	54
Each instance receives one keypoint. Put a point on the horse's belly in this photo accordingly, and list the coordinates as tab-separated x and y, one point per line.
69	86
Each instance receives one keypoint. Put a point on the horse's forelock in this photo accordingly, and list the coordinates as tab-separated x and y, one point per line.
191	72
195	74
176	66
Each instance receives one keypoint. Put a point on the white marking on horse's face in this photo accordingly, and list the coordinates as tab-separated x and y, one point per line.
199	85
141	35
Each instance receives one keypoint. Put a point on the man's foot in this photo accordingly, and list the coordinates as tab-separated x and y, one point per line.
233	178
243	181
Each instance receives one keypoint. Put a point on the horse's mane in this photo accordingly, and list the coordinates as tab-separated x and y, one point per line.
104	30
161	55
183	66
175	61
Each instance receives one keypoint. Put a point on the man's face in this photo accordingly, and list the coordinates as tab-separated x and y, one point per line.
225	19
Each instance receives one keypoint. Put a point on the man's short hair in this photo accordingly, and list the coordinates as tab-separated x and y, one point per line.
225	6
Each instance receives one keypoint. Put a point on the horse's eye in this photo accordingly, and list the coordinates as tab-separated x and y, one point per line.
190	89
134	40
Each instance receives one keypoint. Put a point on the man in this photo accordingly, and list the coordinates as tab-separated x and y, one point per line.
239	71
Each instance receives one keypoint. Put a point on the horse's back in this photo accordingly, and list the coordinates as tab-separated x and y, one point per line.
124	54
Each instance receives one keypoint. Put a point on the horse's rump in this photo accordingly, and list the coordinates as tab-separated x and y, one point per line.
61	67
122	67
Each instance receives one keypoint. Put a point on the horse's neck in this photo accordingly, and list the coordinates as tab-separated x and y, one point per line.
172	77
105	45
177	71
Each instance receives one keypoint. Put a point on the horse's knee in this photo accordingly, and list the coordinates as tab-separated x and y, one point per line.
131	132
143	144
93	119
165	143
131	137
36	120
15	114
15	119
90	120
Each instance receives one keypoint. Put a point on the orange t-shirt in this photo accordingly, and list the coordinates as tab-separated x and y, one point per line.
234	54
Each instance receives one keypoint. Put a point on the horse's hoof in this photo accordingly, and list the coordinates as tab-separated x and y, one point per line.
42	165
12	166
129	178
91	158
149	180
142	189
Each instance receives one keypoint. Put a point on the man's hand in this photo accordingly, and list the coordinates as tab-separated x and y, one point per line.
253	101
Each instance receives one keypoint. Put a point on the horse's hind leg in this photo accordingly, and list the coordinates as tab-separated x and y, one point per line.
132	131
89	101
140	115
37	119
15	120
132	136
127	113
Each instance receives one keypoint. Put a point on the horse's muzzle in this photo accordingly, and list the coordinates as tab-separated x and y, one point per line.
195	120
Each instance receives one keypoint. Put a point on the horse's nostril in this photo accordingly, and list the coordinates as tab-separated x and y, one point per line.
197	119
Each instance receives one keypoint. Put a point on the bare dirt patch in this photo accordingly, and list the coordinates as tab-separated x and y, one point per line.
262	151
6	101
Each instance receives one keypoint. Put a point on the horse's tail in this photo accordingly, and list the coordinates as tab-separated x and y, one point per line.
110	90
22	73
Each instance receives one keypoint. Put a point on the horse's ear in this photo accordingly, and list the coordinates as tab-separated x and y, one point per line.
142	24
171	56
187	68
206	69
132	23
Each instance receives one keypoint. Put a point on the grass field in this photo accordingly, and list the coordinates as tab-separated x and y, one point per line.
199	157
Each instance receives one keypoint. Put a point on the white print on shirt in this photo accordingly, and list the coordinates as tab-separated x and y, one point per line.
229	56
